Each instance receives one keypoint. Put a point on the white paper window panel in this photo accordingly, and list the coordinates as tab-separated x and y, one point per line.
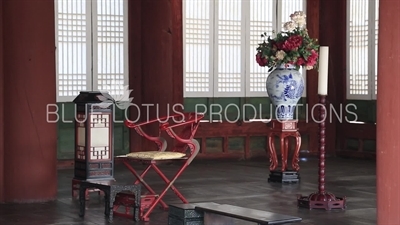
81	136
362	49
100	130
99	137
74	25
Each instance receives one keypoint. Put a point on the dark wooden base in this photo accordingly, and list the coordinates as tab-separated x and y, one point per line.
184	214
325	201
288	177
174	220
110	189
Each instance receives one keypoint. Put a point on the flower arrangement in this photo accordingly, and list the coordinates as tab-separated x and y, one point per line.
292	46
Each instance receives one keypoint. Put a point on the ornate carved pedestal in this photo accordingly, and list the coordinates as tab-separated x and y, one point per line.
284	130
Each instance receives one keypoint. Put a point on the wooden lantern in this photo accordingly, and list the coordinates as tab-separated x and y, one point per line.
94	128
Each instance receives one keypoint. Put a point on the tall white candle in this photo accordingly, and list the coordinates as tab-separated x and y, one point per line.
323	70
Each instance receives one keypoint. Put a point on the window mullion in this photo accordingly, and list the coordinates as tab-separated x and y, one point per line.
93	44
371	47
245	49
278	16
213	46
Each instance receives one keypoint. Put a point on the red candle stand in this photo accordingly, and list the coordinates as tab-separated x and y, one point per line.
321	199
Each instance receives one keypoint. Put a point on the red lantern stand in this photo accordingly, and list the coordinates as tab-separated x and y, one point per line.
284	129
321	199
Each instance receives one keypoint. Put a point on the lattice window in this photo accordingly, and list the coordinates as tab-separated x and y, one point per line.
110	37
91	41
220	41
266	22
259	22
198	48
362	45
73	48
229	41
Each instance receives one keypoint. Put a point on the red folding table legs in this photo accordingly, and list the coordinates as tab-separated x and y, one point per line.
180	127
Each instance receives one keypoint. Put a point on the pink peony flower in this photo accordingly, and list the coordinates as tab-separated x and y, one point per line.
312	59
292	42
313	56
300	61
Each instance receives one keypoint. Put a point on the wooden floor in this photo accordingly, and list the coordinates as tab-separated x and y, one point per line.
241	183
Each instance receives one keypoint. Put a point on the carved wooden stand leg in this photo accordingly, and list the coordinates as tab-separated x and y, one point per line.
272	153
82	200
110	204
295	160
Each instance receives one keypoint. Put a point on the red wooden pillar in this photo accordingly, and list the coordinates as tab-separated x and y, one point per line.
313	15
30	143
158	76
157	52
388	120
135	68
1	106
334	36
177	54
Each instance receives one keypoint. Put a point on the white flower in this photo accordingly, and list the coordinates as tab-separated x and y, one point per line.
298	14
309	67
289	26
280	54
301	22
299	18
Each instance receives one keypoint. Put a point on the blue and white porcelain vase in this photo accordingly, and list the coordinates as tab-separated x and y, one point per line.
285	86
